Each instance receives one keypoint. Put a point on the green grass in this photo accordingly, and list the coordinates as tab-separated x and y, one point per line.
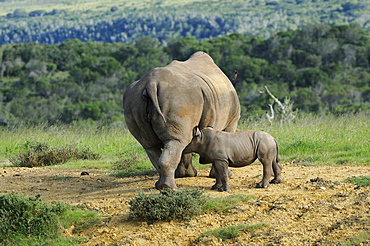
225	203
361	181
111	143
321	140
309	140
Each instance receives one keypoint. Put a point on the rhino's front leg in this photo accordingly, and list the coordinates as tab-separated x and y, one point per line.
221	171
185	168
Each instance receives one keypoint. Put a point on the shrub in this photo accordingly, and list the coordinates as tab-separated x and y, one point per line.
30	221
28	216
38	154
167	205
184	204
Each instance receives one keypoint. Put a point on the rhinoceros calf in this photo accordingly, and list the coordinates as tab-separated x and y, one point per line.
237	149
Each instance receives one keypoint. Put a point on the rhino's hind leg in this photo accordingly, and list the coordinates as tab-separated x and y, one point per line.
185	167
168	162
154	154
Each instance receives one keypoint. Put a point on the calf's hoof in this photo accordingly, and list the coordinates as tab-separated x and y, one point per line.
220	188
276	181
260	185
215	187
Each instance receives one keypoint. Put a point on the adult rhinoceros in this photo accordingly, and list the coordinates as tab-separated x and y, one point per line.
162	109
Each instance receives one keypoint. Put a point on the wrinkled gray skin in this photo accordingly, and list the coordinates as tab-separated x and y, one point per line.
162	109
237	149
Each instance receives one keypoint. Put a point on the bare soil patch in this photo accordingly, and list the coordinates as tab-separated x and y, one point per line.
313	206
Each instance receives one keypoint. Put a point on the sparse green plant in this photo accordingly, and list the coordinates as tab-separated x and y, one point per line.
362	238
167	205
232	231
60	177
358	240
30	221
133	163
126	161
220	204
39	154
360	181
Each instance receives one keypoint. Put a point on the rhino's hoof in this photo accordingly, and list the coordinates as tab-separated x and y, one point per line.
160	186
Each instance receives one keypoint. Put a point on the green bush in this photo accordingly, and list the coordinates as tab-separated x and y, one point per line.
30	221
183	204
167	205
28	216
38	154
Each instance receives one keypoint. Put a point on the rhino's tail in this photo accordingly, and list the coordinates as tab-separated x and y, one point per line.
151	92
277	151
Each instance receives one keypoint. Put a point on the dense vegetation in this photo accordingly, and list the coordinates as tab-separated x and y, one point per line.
320	68
127	21
30	221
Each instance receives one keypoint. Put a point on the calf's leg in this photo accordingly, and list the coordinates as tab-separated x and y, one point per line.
267	173
276	167
221	172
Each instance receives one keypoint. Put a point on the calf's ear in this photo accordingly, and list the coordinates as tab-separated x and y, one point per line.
196	132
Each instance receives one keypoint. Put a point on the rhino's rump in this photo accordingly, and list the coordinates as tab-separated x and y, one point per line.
189	97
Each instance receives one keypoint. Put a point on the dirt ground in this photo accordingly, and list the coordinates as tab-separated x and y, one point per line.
313	206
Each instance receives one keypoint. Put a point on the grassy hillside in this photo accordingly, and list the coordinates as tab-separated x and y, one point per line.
9	6
53	22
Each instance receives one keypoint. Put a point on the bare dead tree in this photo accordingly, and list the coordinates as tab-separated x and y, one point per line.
270	117
286	108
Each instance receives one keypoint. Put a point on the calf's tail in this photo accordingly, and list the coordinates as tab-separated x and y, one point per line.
277	151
